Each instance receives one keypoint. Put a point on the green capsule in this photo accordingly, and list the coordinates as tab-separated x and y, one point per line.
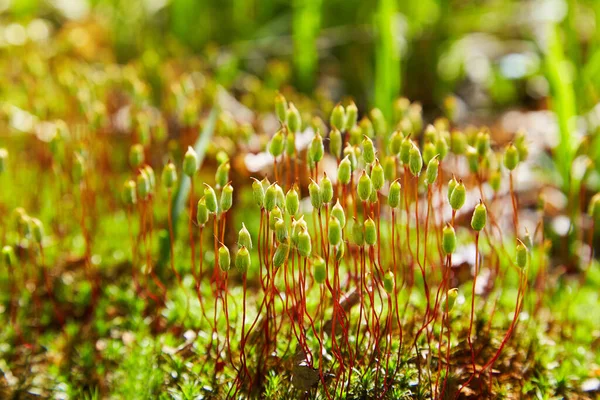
401	105
511	157
244	237
243	260
405	149
394	194
270	199
190	162
258	193
451	296
396	142
415	111
344	172
290	144
527	240
482	143
281	233
368	152
448	239
37	230
338	118
458	142
201	212
479	218
169	175
222	174
129	193
314	192
521	146
340	250
3	158
279	196
370	232
277	143
358	234
473	159
274	215
280	108
377	176
326	189
458	196
431	172
334	232
319	270
281	254
143	185
8	256
335	143
151	177
366	128
351	116
594	208
364	187
353	153
429	151
389	168
136	155
522	254
495	180
379	123
338	212
441	146
429	135
211	199
316	149
452	183
292	201
388	282
415	161
304	244
224	259
226	198
294	120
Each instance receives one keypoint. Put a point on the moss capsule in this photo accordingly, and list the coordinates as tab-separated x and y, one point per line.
304	244
415	161
388	282
244	237
319	270
224	258
277	143
377	176
202	212
479	218
368	150
370	232
314	192
211	199
334	233
136	155
294	120
351	116
394	194
522	254
344	172
280	108
448	239
338	118
458	196
258	193
335	143
169	175
226	198
364	187
190	162
270	199
281	254
292	201
511	157
326	189
222	174
431	172
243	260
129	193
338	212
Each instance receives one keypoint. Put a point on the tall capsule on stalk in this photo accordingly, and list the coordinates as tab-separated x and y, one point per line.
338	117
388	282
290	144
224	258
226	198
316	149
522	254
379	123
368	150
326	189
334	232
370	232
270	200
396	142
473	158
244	237
482	143
377	176
202	212
479	218
415	161
405	148
458	196
304	244
364	187
190	162
366	127
277	143
274	215
358	234
143	185
243	260
319	270
448	239
344	172
129	193
292	201
151	177
452	183
429	152
258	193
495	180
8	256
451	296
351	116
294	121
511	157
394	194
389	168
431	172
338	212
37	230
169	175
222	174
136	155
458	142
335	143
281	254
3	158
314	192
211	199
281	233
441	145
280	108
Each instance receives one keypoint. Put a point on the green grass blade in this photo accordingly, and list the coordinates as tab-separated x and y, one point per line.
387	57
306	26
